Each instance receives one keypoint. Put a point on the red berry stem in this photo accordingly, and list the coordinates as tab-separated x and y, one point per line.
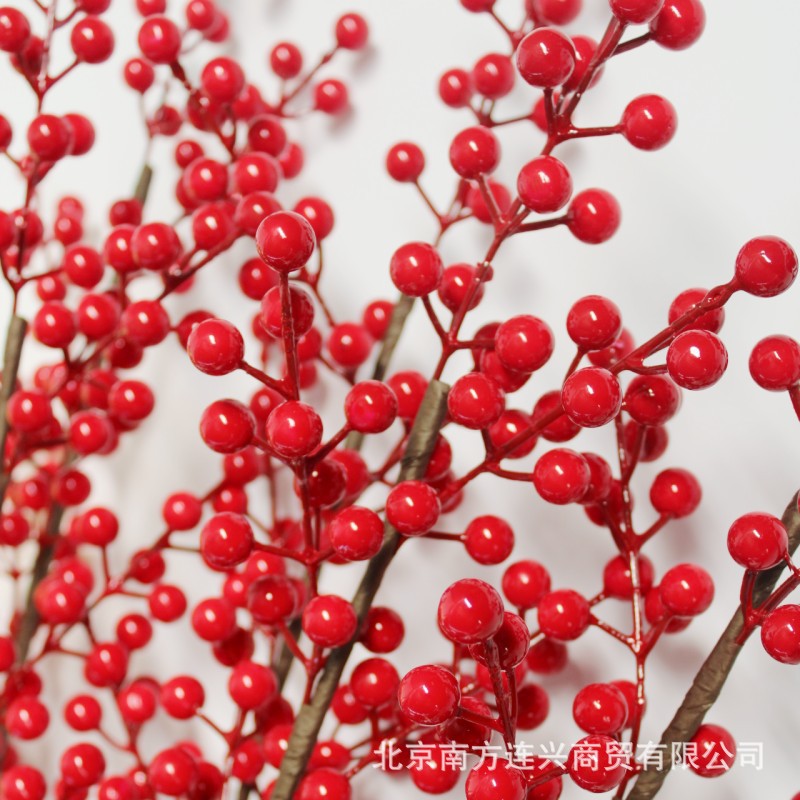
711	677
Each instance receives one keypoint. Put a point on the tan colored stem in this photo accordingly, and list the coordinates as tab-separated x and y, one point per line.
309	720
15	336
711	677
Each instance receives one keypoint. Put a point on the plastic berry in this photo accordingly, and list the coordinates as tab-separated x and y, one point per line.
383	630
226	540
593	216
370	407
544	185
26	718
475	401
294	429
652	399
227	426
324	784
563	615
83	713
679	24
688	299
635	12
356	533
429	695
585	49
686	590
205	180
493	75
618	581
215	347
591	397
696	359
286	60
412	508
470	611
374	682
82	765
766	266
351	31
285	241
91	40
416	269
222	79
474	152
146	322
266	135
780	634
561	476
600	708
455	88
525	583
597	763
405	162
252	685
477	6
329	620
172	772
495	780
159	40
554	12
757	541
489	539
330	97
349	344
49	137
713	751
134	631
649	122
545	58
14	29
318	213
775	363
534	707
181	697
457	284
675	492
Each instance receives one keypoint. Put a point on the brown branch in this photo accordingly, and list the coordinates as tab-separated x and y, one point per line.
15	336
711	677
143	184
309	720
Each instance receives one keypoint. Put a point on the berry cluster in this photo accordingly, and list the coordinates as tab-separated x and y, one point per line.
97	316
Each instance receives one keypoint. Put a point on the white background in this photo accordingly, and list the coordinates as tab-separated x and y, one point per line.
731	173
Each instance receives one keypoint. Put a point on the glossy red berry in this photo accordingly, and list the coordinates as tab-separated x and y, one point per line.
227	426
696	359
475	401
356	533
294	429
351	31
652	399
554	12
370	407
545	58
146	322
618	582
635	12
286	60
181	696
82	765
591	397
49	137
757	541
330	97
374	682
455	88
226	540
780	634
383	630
712	753
215	347
470	611
172	772
26	717
544	185
775	363
329	620
15	30
285	241
649	122
159	40
525	583
593	216
349	344
474	151
493	75
252	685
597	763
489	539
416	269
687	300
413	508
679	24
563	615
92	40
766	266
405	162
222	79
686	590
429	695
675	492
600	708
524	343
561	476
302	311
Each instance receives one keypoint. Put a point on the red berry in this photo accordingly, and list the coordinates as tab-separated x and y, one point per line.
324	784
618	583
26	717
92	40
159	40
226	540
525	583
649	122
286	60
597	763
383	630
330	97
412	508
409	387
544	185
591	397
182	696
82	765
686	590
405	162
563	615
285	241
416	269
370	407
652	399
696	359
477	6
675	492
302	311
139	74
493	75
15	30
374	682
474	151
429	695
252	685
554	12
294	429
489	539
222	79
227	426
679	24
757	541
766	266
561	476
329	620
349	344
600	708
83	713
356	533
475	401
635	12
172	772
775	363
524	343
593	216
351	31
455	88
146	322
594	322
49	137
687	300
215	347
713	751
470	611
780	634
545	58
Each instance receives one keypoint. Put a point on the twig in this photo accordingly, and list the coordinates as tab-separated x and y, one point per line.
15	335
309	720
711	677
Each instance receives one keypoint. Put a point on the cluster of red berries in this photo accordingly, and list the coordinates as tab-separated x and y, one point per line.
265	575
